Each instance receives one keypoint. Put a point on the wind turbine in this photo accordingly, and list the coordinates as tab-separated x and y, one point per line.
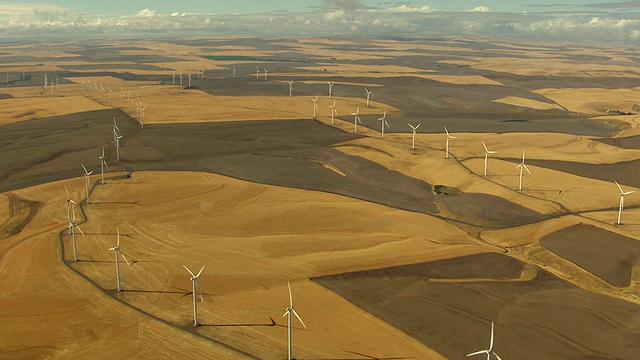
86	180
194	279
413	129
118	137
115	133
173	78
622	195
103	164
45	82
315	106
522	166
70	203
383	121
142	117
356	119
101	91
72	230
446	155
290	86
488	351
234	72
333	110
129	101
265	73
368	94
330	86
486	157
180	78
288	311
118	252
257	73
110	91
82	87
122	95
189	75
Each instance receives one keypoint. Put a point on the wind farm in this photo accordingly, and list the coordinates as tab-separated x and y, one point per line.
387	247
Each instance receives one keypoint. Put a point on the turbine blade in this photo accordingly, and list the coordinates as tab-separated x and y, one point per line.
628	192
118	243
200	272
67	190
526	168
290	296
485	146
78	227
85	169
124	257
497	356
298	316
418	126
478	353
188	271
445	130
491	342
619	187
286	312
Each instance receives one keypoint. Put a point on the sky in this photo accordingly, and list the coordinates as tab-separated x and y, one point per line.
571	20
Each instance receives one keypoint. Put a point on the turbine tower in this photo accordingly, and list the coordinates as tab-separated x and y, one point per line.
522	166
446	155
368	94
118	252
330	87
486	157
194	279
87	181
621	207
288	311
488	351
103	164
383	122
333	110
413	130
356	119
118	137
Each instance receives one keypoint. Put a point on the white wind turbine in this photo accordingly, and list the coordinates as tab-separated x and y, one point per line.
621	207
522	167
189	75
265	73
122	95
110	91
142	117
356	119
288	311
194	279
315	106
115	133
129	101
118	252
488	351
290	86
330	87
86	180
368	94
413	130
486	157
118	137
101	91
103	164
46	82
446	154
234	72
173	78
70	203
73	225
180	78
257	73
82	87
383	122
333	110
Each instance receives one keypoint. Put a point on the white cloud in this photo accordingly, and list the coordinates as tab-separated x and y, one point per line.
408	9
481	9
334	15
146	13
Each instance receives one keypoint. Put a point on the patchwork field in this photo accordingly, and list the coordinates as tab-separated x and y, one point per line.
392	249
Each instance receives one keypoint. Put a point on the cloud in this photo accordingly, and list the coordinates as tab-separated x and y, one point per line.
344	4
618	5
408	9
334	15
146	13
481	9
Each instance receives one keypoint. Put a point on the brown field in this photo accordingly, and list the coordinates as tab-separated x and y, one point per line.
391	252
